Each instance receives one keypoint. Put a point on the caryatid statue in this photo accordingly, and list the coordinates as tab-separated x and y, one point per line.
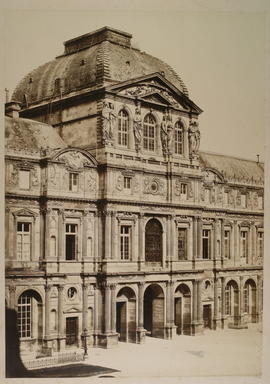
194	137
137	127
108	117
166	133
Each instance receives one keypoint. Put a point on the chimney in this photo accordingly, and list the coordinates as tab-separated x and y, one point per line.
258	159
12	109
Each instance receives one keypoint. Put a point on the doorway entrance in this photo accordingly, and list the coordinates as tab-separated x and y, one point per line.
207	316
154	311
182	310
126	315
71	331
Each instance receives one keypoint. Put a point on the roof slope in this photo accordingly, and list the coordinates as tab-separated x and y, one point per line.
233	168
30	135
103	61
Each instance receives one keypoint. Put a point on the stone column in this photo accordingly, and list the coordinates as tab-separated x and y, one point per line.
114	236
113	308
61	234
168	257
223	302
135	241
84	235
250	233
168	310
108	229
199	305
241	303
140	329
216	314
96	313
173	238
61	334
141	239
236	242
254	245
47	313
222	240
194	307
186	152
85	309
12	291
47	233
215	253
258	299
96	240
195	230
199	238
107	309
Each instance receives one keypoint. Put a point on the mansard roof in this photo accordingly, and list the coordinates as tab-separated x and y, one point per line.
233	168
89	62
29	135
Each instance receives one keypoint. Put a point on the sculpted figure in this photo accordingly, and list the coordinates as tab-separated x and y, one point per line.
166	133
108	117
194	136
137	128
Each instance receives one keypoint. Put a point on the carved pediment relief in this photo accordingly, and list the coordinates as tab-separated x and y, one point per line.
74	160
212	176
155	93
25	212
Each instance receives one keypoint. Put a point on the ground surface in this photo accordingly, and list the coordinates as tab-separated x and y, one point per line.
228	352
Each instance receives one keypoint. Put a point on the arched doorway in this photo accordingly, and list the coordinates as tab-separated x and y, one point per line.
182	310
126	315
232	301
249	296
154	310
30	320
153	241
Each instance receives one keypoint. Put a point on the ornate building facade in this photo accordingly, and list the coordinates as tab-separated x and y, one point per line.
117	226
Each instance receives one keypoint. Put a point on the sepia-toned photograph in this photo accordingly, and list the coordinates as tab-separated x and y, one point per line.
134	175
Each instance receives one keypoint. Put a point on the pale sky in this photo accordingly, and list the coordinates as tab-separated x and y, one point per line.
221	57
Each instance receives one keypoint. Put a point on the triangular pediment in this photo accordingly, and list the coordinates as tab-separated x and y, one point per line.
155	89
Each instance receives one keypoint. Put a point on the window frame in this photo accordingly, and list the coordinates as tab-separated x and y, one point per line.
125	242
185	248
227	239
179	133
123	128
75	240
147	138
73	176
25	312
208	238
244	244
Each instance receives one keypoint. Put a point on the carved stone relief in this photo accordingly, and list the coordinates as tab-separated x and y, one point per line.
154	186
120	183
35	178
13	175
137	127
53	175
74	160
91	182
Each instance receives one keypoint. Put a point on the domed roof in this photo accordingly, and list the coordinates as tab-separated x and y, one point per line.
91	61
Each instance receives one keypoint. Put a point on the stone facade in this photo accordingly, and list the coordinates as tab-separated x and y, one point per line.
117	226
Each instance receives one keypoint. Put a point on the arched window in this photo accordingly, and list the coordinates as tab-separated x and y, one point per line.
179	138
153	241
29	315
123	125
149	131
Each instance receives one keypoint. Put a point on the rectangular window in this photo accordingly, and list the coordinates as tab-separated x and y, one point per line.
260	244
226	198
227	244
183	191
24	316
24	179
125	232
73	182
71	241
243	200
182	244
127	182
23	241
244	244
206	244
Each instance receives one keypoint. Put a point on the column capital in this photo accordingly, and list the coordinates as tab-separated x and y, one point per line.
12	288
141	284
48	287
60	288
112	286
